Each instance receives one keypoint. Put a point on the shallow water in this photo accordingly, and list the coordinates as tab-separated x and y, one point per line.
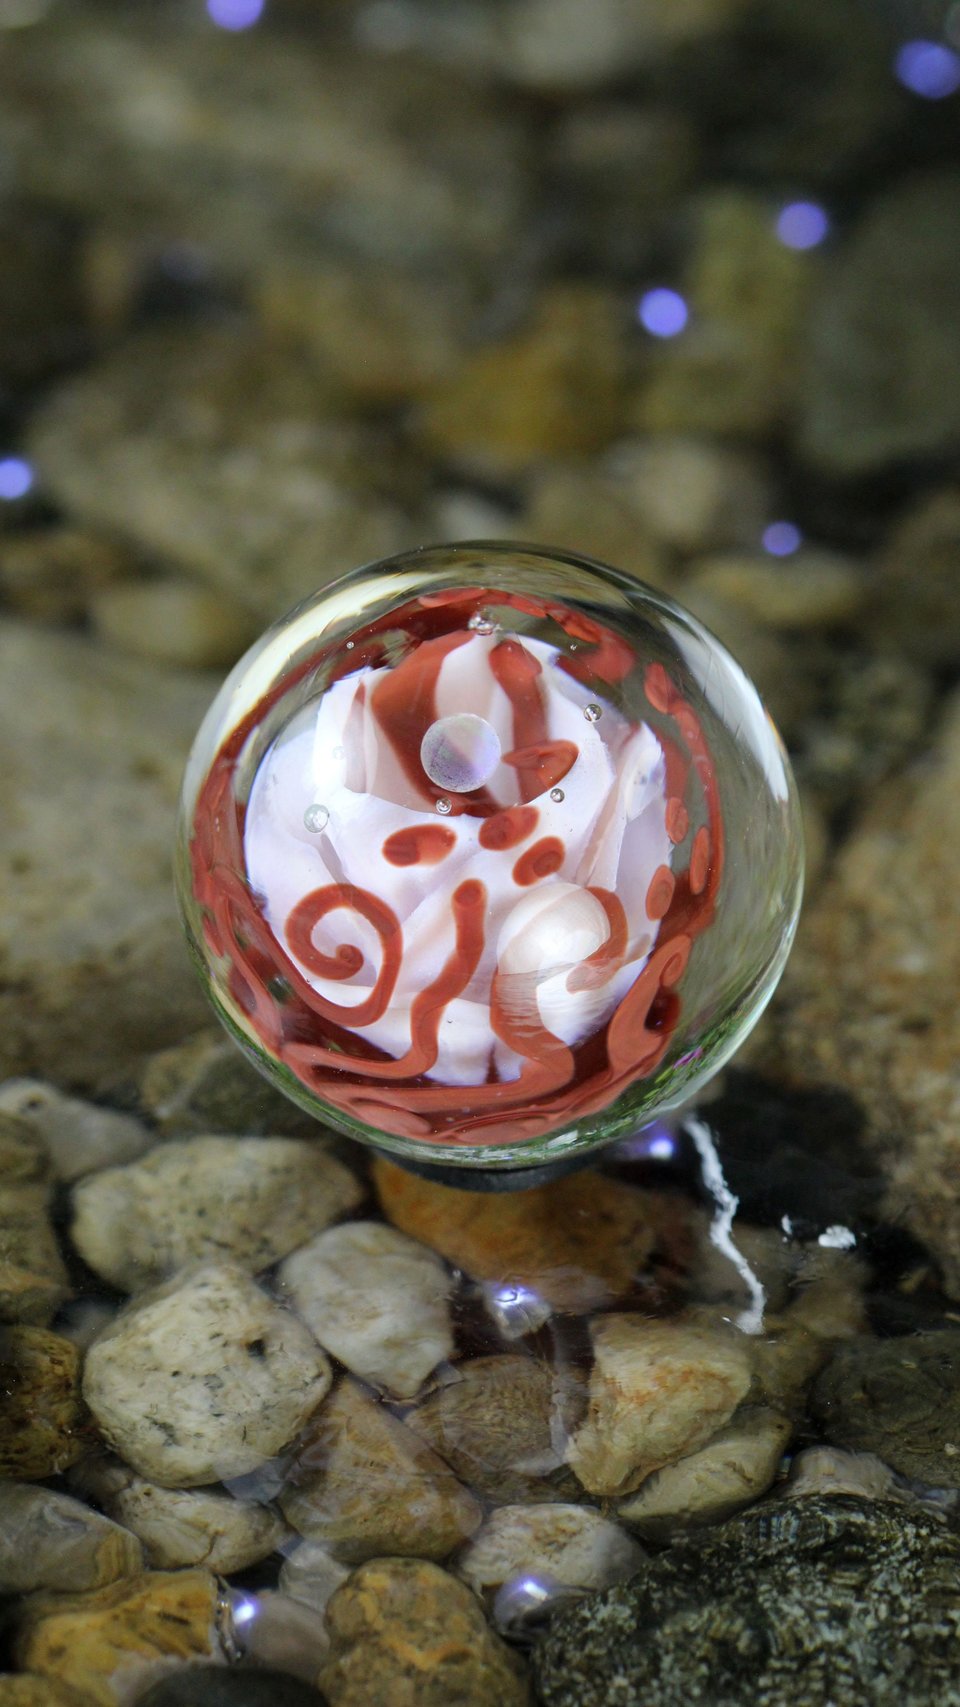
286	288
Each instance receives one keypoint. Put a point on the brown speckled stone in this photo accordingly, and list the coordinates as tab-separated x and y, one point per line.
403	1633
44	1424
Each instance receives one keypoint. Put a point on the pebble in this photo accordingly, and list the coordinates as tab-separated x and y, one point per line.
172	622
44	1425
579	509
248	1200
212	1686
376	1300
364	1485
658	1390
735	367
551	388
404	1633
694	494
816	589
203	1378
274	1629
23	1691
80	1137
379	335
241	474
92	739
181	1526
311	1574
578	1242
33	1279
49	1541
205	1085
566	1544
827	1471
898	1398
917	581
791	1604
734	1468
870	1003
550	45
501	1424
828	1308
884	329
110	1641
616	165
51	574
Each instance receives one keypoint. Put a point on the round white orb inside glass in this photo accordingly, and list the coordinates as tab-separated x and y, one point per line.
489	855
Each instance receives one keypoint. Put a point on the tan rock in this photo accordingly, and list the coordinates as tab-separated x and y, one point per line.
403	1633
364	1485
568	1544
181	1526
23	1691
502	1423
581	509
44	1423
249	1199
287	1634
48	1541
311	1574
871	999
736	1466
376	1300
659	1389
203	1378
79	1137
114	1640
693	494
553	388
205	1085
173	623
578	1242
735	367
815	589
51	574
33	1280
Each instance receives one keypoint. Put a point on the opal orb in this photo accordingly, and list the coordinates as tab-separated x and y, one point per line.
488	855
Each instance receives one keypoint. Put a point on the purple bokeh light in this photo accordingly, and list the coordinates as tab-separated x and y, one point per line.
235	14
802	225
928	68
781	539
662	312
16	478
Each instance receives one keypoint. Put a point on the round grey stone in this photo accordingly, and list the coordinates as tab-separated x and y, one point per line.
216	1686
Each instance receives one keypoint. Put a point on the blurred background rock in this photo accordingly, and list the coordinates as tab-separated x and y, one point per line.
287	285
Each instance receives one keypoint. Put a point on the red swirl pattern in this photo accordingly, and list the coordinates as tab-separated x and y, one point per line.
315	1037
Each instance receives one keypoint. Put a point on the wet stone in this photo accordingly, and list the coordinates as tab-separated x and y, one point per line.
80	1137
898	1398
203	1378
249	1199
404	1633
48	1541
581	509
241	474
501	1423
23	1691
819	589
551	388
566	1544
577	1242
658	1390
376	1300
734	369
733	1469
95	974
917	582
205	1085
311	1574
52	574
884	330
694	494
108	1641
181	1526
213	1686
173	623
33	1279
282	1632
44	1423
364	1485
789	1605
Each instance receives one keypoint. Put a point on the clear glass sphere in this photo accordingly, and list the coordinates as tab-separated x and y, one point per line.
488	855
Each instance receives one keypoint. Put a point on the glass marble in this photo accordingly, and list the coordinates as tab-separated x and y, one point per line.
488	855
